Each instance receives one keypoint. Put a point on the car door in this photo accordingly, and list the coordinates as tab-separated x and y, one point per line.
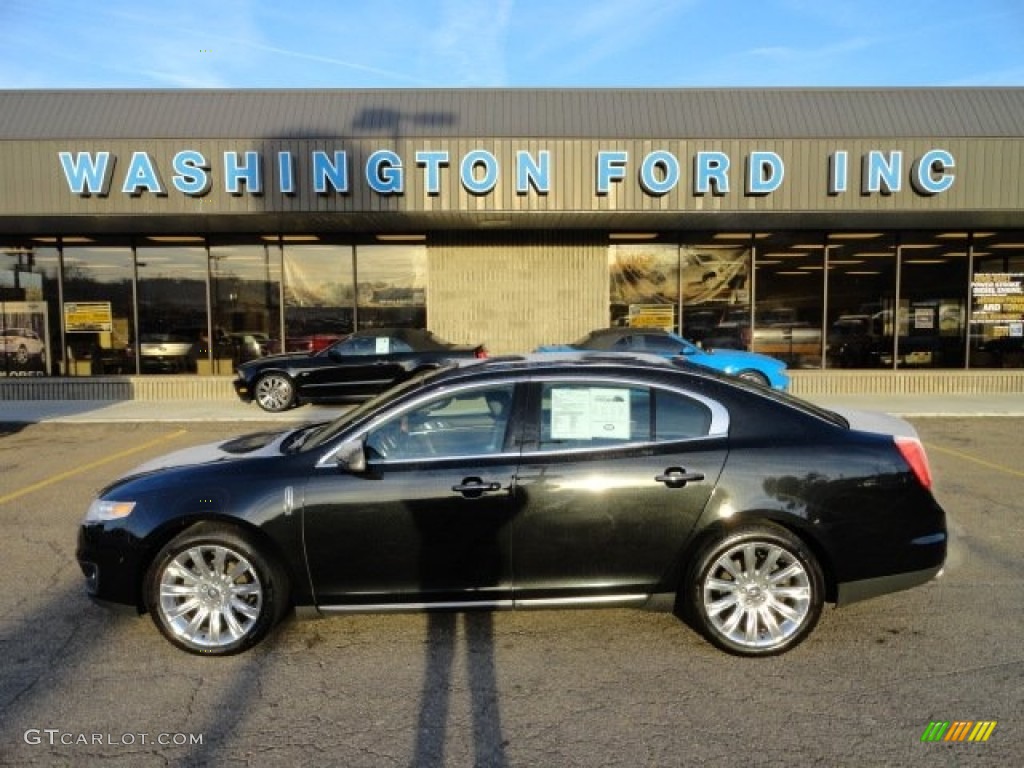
426	523
355	367
612	480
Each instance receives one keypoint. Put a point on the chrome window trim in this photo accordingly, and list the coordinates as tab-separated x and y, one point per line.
718	428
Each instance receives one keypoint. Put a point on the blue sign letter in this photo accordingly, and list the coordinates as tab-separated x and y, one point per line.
285	173
489	163
325	171
190	169
432	160
880	174
711	169
85	175
765	172
929	176
141	176
535	173
669	167
235	174
384	172
611	166
837	172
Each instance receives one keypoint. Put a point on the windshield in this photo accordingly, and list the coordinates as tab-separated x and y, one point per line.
367	408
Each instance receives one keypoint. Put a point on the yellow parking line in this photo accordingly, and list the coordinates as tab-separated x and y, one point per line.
92	465
975	459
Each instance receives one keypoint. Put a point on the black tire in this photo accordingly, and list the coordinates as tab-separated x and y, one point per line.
212	592
755	377
761	613
274	392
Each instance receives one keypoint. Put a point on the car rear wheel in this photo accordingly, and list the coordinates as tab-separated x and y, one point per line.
757	591
210	591
275	392
753	376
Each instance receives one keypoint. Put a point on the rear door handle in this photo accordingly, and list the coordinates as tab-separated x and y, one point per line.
474	487
677	477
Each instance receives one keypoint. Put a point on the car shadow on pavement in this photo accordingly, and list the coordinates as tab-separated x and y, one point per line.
435	702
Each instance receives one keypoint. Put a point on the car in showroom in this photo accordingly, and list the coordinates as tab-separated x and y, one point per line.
578	480
750	366
354	368
20	345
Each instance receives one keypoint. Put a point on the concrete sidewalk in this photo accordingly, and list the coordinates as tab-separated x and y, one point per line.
104	411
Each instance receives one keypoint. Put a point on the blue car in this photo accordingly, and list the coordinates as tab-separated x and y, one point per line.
749	366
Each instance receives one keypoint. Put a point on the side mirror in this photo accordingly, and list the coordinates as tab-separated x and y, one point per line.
351	457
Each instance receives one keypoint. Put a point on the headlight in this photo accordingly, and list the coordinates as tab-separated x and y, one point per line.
101	510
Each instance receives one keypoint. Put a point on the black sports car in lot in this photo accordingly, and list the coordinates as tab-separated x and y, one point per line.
538	481
354	368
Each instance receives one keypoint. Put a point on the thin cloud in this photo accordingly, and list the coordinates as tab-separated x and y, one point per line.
326	60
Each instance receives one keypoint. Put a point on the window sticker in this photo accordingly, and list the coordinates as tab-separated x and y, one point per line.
586	414
383	345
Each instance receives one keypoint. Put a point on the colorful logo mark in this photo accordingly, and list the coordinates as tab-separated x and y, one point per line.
958	730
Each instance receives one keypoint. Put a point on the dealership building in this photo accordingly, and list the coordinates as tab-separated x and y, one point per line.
862	235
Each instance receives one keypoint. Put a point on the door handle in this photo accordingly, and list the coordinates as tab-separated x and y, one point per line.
677	477
474	487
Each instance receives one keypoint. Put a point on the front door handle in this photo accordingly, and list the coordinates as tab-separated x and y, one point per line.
474	487
677	477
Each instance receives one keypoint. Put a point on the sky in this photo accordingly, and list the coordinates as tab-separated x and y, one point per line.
509	43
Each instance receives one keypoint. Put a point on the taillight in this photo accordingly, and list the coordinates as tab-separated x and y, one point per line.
481	352
913	453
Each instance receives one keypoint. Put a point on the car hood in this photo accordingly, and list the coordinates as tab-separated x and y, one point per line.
245	447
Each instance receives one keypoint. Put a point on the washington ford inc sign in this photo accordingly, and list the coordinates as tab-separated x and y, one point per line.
385	172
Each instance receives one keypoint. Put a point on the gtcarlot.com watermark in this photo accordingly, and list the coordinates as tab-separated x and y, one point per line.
55	737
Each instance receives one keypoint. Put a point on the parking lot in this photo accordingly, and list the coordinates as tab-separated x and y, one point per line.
80	685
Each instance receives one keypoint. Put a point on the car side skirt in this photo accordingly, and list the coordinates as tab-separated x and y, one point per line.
589	601
864	589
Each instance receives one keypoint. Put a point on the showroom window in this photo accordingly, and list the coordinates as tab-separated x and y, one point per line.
29	306
704	282
99	308
933	300
788	293
174	327
246	291
861	295
997	301
319	299
391	286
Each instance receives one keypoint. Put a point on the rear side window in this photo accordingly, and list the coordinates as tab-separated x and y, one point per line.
575	415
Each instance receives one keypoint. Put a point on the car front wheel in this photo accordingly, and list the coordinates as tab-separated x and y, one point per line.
275	392
757	591
210	591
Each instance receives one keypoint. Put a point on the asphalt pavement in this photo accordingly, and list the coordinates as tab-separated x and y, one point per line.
100	412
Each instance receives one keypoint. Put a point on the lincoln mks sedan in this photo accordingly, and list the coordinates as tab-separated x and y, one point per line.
554	480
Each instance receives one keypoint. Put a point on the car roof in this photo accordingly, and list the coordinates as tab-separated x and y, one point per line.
572	362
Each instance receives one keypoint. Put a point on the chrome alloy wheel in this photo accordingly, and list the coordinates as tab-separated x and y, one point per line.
274	392
757	595
210	596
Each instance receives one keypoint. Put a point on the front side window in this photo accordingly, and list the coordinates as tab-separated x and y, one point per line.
468	423
576	415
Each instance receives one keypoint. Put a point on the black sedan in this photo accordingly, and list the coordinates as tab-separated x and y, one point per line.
354	368
539	481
